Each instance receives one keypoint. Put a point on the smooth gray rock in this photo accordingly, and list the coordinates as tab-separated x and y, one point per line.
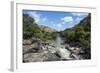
27	42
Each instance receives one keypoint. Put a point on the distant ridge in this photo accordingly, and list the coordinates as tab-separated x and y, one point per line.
47	29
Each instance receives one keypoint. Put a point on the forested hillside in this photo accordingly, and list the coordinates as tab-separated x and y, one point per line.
80	35
32	29
42	43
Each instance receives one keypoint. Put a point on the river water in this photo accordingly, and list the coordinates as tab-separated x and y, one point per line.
60	47
58	41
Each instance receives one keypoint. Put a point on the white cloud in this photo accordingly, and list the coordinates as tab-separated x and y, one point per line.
59	25
79	14
38	17
56	26
44	19
35	16
67	19
78	19
52	23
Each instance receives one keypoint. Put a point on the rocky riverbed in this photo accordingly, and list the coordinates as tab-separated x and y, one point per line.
35	50
38	51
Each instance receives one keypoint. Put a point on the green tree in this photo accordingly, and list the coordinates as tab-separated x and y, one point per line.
80	35
27	26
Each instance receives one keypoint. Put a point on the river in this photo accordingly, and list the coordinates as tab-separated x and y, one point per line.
60	47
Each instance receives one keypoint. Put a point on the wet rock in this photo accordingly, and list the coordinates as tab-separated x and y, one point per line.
26	48
52	49
57	54
52	57
35	40
27	42
35	47
33	57
76	57
40	57
75	50
64	53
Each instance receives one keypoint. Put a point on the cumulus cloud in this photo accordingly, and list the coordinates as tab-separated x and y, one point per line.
44	19
67	19
59	25
79	14
38	17
35	16
78	18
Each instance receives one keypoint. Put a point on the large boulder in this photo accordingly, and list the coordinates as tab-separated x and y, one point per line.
33	57
27	42
40	57
52	49
35	47
26	48
64	53
75	50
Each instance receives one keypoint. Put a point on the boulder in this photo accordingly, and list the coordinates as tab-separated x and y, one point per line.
31	48
33	57
76	50
64	53
52	49
77	57
26	48
35	45
27	42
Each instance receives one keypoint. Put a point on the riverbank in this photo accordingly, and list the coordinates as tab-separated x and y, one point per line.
35	50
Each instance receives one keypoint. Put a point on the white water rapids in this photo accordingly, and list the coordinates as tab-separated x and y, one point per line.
64	53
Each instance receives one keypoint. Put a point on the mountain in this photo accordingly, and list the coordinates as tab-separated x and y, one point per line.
85	23
80	35
32	29
47	29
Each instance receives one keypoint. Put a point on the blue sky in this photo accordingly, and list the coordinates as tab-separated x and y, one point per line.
56	20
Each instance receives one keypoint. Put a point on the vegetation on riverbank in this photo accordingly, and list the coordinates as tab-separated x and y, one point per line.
80	35
77	36
32	29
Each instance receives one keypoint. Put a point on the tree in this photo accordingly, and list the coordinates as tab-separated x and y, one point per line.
80	35
27	26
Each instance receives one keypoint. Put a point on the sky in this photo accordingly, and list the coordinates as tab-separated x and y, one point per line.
56	20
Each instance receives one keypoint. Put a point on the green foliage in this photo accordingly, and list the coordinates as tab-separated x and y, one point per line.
27	26
69	35
54	35
31	29
80	34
